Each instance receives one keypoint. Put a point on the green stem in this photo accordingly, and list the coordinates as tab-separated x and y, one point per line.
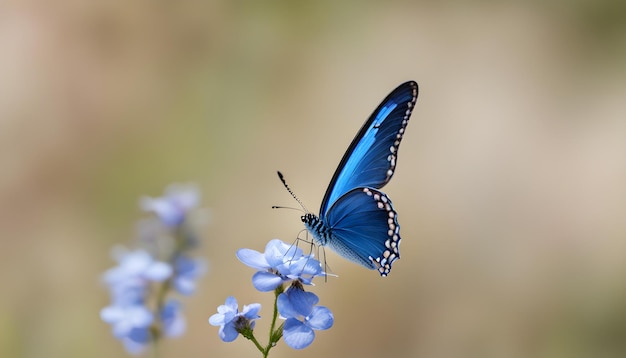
277	292
275	334
258	345
155	348
163	290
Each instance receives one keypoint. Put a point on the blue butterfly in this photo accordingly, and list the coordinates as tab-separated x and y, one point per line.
356	219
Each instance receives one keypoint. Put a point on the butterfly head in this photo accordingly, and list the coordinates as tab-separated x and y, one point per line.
307	218
311	222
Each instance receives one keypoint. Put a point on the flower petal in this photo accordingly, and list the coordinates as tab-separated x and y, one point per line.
136	340
297	335
285	307
301	300
173	207
228	333
140	316
176	327
253	259
186	286
321	318
278	253
111	314
251	311
174	323
266	281
275	252
312	267
231	303
158	271
169	213
217	320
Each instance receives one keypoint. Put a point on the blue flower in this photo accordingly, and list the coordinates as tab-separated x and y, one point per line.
123	319
130	324
174	324
173	207
278	264
302	316
128	283
231	321
136	267
187	270
137	340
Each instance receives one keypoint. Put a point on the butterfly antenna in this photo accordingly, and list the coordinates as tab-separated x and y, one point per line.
286	207
282	179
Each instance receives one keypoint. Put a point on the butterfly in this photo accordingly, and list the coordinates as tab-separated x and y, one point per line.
356	219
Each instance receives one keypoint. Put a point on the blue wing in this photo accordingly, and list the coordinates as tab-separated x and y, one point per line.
370	160
365	229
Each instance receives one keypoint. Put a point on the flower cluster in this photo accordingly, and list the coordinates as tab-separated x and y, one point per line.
280	264
231	321
140	312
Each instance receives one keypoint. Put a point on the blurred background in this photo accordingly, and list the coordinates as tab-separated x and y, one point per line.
510	188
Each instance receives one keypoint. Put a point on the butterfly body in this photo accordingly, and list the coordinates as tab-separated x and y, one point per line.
356	219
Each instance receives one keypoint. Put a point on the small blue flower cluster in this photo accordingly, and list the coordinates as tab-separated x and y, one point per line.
231	321
144	276
278	265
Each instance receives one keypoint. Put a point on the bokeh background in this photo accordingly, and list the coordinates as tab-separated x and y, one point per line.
511	184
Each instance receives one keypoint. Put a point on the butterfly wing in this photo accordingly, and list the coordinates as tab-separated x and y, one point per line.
365	229
370	160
